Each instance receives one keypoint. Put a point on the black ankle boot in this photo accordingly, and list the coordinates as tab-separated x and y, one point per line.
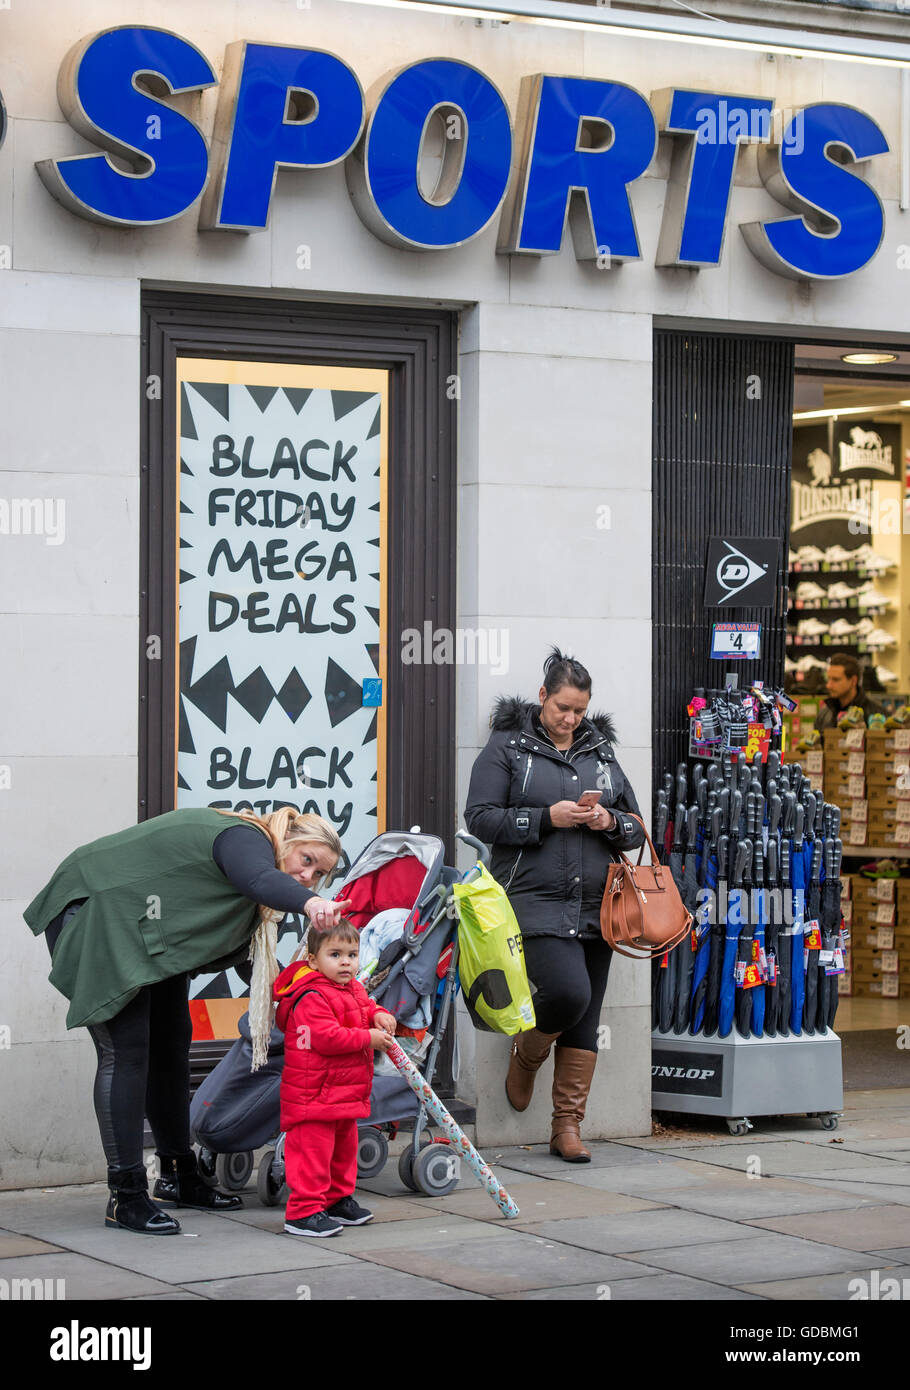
180	1185
130	1208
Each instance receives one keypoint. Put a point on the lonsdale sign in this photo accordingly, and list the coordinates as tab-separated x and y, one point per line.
433	156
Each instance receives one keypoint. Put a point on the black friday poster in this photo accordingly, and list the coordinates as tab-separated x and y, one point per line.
281	596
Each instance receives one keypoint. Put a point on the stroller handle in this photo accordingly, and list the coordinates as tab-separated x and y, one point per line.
483	854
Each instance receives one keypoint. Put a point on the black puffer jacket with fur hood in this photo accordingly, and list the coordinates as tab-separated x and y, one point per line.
554	878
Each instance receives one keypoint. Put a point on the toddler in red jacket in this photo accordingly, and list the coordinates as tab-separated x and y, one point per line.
331	1027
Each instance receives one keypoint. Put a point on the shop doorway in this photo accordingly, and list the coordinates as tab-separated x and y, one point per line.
298	516
847	644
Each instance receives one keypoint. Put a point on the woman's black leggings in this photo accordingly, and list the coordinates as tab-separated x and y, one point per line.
570	977
143	1070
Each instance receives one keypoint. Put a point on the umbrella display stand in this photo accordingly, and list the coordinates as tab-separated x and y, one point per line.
743	1010
738	1078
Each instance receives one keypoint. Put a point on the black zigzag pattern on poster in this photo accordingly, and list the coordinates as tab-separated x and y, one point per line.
255	693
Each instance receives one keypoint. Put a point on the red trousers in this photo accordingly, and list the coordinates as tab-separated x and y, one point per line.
320	1159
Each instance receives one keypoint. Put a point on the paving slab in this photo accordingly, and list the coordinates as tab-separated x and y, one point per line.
389	1184
655	1229
738	1262
540	1201
831	1288
865	1229
182	1295
82	1277
538	1160
383	1209
11	1243
901	1256
646	1181
360	1281
650	1289
855	1187
788	1159
433	1229
746	1198
518	1261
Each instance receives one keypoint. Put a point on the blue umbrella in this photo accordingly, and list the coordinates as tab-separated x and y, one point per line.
797	969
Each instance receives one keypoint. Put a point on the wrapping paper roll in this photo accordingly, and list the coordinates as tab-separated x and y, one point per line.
456	1136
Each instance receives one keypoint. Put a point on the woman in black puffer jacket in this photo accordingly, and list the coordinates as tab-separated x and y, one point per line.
551	856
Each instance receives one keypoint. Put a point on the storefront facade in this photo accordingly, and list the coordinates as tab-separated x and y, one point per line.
446	380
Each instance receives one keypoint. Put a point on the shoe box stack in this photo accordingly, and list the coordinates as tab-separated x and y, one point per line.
877	918
801	721
844	780
888	786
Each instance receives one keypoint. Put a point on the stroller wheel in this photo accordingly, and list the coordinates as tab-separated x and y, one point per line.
234	1171
372	1152
206	1163
271	1192
435	1170
406	1163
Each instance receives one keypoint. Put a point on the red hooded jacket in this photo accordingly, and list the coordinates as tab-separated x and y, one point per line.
328	1057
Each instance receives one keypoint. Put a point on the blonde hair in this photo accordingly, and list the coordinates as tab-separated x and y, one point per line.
283	828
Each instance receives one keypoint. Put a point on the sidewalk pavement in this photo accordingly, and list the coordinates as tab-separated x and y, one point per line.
788	1212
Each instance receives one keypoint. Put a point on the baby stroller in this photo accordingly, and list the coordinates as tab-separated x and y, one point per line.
401	900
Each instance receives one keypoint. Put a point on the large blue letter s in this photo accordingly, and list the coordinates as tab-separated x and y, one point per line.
848	217
97	92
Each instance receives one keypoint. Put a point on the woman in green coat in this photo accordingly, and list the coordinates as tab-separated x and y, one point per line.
128	918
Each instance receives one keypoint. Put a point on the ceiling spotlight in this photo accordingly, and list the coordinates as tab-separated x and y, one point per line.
868	359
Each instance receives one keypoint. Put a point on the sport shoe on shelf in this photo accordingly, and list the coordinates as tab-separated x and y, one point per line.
863	628
348	1212
837	555
811	627
810	663
874	602
319	1224
807	591
884	675
842	628
841	593
877	564
879	638
809	555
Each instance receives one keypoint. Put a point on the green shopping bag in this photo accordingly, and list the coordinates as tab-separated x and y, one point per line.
491	960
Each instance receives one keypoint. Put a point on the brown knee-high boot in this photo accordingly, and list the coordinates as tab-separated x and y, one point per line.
529	1052
572	1073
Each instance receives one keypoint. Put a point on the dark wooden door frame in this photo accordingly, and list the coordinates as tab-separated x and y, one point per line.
419	349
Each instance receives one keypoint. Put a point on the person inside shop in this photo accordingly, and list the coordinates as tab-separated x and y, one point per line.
551	856
844	682
127	919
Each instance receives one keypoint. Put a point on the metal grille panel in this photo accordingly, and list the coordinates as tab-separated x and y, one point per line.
721	467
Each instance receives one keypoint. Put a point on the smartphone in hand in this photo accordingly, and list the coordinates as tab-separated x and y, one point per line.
588	800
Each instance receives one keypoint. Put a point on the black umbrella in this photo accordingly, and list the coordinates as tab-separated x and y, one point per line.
685	961
716	945
660	834
784	940
743	998
667	982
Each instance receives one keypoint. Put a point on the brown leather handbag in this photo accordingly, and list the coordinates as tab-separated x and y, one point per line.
642	908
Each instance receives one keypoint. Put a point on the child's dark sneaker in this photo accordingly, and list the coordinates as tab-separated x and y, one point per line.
347	1211
319	1224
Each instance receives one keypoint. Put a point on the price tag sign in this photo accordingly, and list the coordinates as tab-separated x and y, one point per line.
735	641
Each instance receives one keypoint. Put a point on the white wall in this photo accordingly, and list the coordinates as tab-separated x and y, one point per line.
555	421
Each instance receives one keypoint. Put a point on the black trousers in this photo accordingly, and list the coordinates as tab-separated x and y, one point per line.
570	977
143	1070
